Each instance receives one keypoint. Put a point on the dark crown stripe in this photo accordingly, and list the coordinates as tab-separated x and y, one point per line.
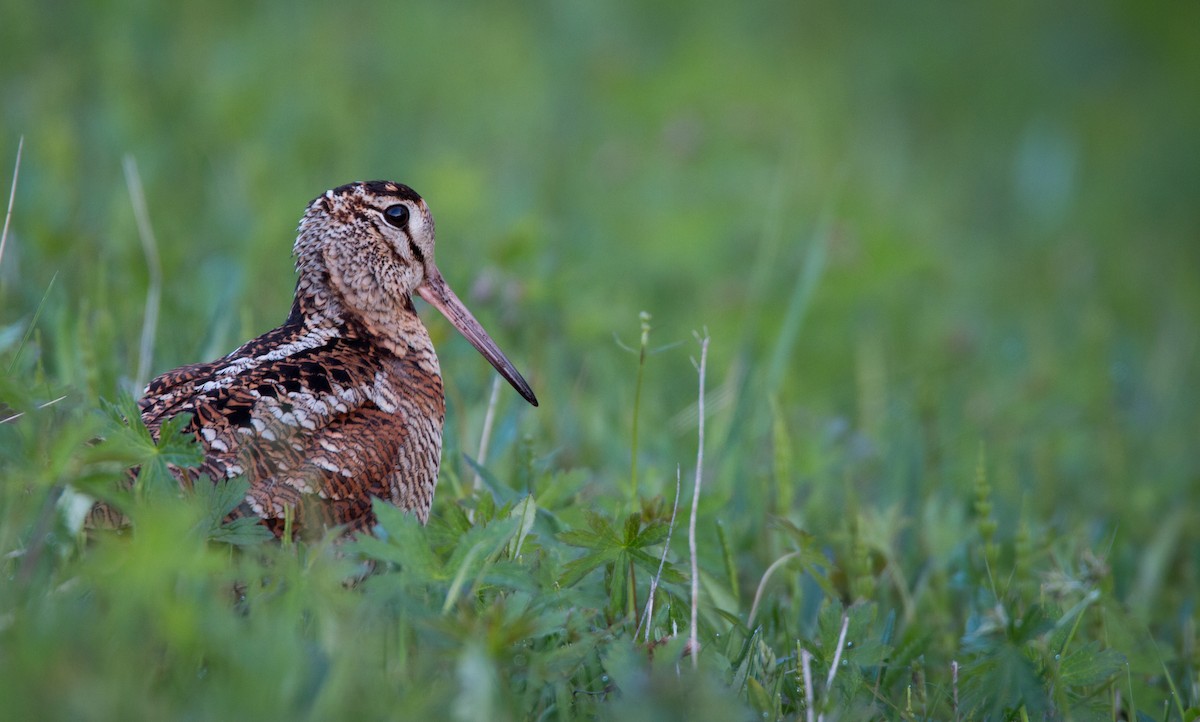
381	188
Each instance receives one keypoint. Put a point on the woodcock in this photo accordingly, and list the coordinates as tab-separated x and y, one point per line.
344	401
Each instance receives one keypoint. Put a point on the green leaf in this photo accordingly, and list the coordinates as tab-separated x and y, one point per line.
485	507
245	531
476	552
601	536
1004	679
1090	665
496	489
575	570
175	446
670	574
600	525
651	535
221	497
1030	625
584	539
509	575
405	542
759	697
744	659
727	557
525	513
128	440
126	437
633	524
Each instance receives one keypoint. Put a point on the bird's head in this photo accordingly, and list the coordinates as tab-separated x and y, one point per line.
370	245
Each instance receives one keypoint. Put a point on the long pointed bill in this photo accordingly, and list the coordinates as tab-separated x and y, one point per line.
438	294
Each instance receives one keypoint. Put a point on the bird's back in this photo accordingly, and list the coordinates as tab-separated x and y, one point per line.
319	420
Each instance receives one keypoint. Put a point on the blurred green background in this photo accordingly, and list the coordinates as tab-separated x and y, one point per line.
913	231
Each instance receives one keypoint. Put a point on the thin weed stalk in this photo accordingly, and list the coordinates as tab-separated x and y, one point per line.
644	317
837	655
954	688
12	197
648	614
37	314
485	436
693	643
806	677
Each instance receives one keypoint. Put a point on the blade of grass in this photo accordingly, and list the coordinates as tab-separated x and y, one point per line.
19	414
648	614
153	267
644	317
485	436
32	324
12	196
762	584
798	303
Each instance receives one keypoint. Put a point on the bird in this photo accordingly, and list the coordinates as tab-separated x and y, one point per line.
343	403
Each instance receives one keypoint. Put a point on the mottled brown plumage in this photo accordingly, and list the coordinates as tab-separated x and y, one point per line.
344	401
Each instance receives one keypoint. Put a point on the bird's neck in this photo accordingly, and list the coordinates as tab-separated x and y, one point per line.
390	323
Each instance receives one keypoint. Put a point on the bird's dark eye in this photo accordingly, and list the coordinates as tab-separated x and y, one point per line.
397	215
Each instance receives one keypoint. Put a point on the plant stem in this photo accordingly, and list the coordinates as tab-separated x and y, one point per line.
693	644
637	404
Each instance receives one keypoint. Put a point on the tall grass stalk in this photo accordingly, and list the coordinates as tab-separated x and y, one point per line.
37	314
485	435
801	298
648	614
806	678
762	585
837	654
137	197
693	636
12	196
644	317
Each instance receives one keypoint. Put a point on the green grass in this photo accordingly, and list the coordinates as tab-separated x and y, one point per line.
947	258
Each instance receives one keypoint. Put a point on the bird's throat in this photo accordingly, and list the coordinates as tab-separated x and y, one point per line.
392	323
